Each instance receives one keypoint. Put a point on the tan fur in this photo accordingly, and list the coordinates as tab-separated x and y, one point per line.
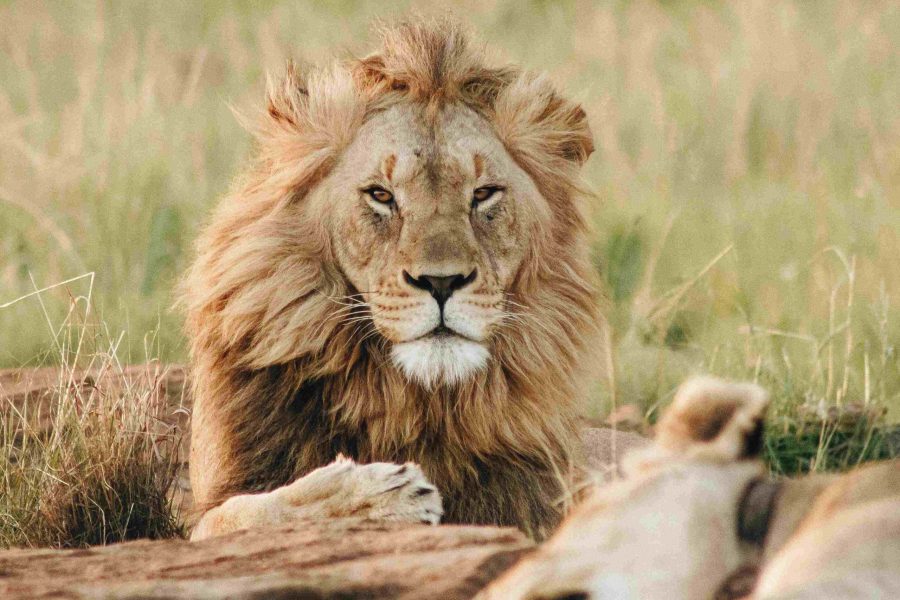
669	530
295	299
381	491
846	546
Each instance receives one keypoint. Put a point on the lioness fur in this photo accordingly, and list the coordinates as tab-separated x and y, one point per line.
683	523
284	382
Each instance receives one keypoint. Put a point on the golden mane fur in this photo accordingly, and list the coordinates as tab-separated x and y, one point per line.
287	384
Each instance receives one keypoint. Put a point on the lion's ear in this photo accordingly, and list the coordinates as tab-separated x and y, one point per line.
714	419
313	110
309	118
581	144
540	126
286	96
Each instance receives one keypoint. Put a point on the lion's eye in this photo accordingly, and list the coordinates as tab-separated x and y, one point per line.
483	194
380	195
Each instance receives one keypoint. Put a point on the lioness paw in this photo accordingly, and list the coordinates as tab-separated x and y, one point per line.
377	491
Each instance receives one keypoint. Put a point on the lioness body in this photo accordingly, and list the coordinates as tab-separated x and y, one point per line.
697	517
835	537
404	276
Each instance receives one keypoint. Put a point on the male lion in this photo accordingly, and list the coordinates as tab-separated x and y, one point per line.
403	277
697	518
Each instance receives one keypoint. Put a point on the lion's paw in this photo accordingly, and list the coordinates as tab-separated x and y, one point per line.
390	492
376	491
379	491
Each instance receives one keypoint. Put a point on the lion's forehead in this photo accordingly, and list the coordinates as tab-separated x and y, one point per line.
420	144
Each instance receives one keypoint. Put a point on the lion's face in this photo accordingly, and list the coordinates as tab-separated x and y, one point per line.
408	205
430	219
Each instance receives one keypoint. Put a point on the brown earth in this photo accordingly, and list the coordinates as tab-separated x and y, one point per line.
320	560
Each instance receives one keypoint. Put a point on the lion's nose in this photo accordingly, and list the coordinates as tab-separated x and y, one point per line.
441	287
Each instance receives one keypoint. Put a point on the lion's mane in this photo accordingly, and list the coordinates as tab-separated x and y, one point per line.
288	386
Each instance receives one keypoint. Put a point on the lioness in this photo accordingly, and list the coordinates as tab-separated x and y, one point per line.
402	277
697	517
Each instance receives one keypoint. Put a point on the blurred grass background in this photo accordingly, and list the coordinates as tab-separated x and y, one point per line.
746	173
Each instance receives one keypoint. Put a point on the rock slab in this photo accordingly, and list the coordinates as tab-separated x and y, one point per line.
335	559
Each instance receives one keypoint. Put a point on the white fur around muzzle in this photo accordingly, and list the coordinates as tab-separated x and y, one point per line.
444	360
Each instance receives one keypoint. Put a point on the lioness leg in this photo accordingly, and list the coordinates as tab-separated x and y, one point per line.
380	491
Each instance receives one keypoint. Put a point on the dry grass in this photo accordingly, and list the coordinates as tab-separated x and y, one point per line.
746	176
769	128
94	459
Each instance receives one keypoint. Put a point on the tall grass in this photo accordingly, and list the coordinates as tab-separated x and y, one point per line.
746	176
90	455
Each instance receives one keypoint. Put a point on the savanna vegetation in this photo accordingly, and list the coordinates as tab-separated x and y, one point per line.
745	210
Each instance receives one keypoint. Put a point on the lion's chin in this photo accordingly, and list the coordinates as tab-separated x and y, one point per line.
440	359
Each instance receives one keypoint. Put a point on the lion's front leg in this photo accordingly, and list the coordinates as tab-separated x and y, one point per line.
378	491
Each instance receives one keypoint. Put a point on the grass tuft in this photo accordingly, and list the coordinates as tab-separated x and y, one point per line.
89	449
837	440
